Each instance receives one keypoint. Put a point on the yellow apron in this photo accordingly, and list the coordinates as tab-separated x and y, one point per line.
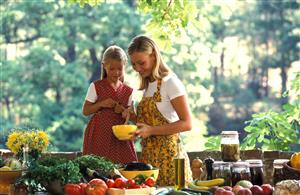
159	151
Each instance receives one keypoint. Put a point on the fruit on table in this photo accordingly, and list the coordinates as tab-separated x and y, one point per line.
13	163
244	191
245	184
5	168
197	168
267	189
197	163
257	190
237	188
73	189
96	187
193	186
295	160
210	183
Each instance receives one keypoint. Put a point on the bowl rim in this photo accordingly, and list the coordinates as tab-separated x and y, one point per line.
153	169
12	171
288	166
124	125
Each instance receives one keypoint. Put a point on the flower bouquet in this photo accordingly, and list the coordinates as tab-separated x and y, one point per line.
36	141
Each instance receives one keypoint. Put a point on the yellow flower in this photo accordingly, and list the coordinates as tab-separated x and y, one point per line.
35	139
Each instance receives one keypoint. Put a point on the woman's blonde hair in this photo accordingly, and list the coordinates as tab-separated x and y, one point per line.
112	53
144	44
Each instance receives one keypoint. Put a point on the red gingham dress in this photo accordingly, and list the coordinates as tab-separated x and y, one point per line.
98	136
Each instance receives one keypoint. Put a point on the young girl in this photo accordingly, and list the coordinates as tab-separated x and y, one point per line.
105	100
163	111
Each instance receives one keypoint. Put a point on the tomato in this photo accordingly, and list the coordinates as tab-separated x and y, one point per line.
96	187
120	183
130	184
73	189
110	183
83	187
150	181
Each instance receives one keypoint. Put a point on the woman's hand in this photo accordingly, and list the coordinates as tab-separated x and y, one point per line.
143	131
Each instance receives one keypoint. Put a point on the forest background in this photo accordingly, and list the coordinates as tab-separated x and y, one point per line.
239	61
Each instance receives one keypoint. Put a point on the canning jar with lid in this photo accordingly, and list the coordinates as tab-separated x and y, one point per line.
256	171
278	170
222	170
230	146
240	171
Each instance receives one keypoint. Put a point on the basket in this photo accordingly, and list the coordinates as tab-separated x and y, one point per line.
290	172
9	177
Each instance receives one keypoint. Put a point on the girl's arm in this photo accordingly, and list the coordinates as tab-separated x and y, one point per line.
91	108
183	124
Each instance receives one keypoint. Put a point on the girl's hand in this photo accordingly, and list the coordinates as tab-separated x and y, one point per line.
143	131
119	108
108	103
126	112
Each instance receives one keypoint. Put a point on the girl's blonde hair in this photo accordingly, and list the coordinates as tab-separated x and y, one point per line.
145	44
112	53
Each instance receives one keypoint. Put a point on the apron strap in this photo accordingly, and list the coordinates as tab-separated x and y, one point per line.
156	95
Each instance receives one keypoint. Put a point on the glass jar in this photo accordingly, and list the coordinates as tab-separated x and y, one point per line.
222	170
256	171
230	146
278	170
240	171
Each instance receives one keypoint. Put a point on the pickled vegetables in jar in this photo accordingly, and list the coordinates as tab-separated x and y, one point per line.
230	146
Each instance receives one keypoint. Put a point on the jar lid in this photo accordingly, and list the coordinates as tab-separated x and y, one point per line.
229	133
255	162
240	164
280	161
220	163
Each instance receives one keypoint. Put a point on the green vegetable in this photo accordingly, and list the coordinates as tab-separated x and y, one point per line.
103	166
49	169
1	162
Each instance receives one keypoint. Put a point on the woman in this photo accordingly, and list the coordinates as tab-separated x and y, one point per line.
163	111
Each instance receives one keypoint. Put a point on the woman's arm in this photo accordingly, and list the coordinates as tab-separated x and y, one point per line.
91	108
183	124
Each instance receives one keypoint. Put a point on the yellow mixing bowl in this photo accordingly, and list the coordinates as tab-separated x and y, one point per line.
124	132
132	174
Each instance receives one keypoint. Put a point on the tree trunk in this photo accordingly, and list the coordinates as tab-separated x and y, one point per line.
283	75
222	62
96	63
7	103
216	85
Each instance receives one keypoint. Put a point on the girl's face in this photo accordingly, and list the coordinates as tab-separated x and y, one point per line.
114	70
143	63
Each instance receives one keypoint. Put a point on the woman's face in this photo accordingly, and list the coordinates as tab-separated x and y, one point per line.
114	70
143	63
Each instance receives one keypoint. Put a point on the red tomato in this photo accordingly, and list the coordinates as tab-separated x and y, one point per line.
110	183
83	187
72	189
120	183
96	187
131	184
150	181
